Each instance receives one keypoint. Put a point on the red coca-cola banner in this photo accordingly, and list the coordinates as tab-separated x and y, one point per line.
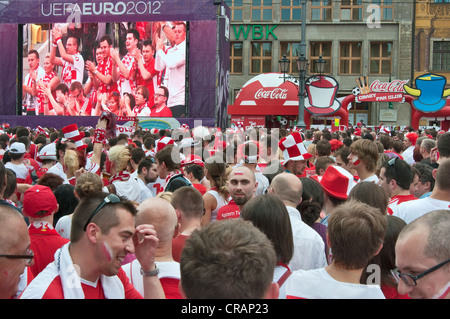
266	94
378	91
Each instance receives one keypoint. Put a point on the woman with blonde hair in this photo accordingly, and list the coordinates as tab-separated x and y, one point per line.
71	165
121	183
218	195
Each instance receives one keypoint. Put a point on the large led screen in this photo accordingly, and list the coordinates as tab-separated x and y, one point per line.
85	69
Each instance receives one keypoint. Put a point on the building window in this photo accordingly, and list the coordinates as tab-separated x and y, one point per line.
441	1
292	52
441	56
291	10
381	58
262	10
317	49
236	58
236	8
386	9
261	60
321	10
351	10
350	58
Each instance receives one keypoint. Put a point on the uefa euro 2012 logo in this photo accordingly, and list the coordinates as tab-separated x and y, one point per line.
430	92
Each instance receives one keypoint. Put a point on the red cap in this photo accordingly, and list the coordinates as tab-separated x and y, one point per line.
39	198
412	137
335	144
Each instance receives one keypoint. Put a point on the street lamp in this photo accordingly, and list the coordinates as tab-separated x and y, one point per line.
302	64
320	65
284	66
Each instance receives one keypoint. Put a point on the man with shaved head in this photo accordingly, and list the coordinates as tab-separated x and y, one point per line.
161	214
309	248
242	185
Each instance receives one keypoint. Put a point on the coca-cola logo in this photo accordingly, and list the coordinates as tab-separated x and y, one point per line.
393	86
275	94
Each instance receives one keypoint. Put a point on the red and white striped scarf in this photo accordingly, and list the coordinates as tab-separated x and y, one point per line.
172	174
121	176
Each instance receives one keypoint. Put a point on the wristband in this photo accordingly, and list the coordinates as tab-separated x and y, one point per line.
99	135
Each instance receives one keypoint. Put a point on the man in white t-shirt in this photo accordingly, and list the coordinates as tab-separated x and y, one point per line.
309	248
17	153
364	158
71	60
341	278
396	177
410	144
161	214
29	84
146	173
172	61
439	198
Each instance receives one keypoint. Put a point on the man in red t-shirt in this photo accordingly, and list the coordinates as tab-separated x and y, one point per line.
145	73
89	267
396	177
39	205
242	185
188	204
194	171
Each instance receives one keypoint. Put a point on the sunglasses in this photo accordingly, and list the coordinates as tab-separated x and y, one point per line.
392	163
110	199
28	257
411	280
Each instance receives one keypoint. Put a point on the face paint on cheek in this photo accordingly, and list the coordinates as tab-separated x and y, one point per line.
356	160
107	251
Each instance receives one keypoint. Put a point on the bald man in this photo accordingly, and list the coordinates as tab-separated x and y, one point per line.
309	248
161	214
15	253
423	257
242	185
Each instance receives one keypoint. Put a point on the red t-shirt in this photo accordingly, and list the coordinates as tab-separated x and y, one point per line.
55	290
392	293
177	246
200	187
229	211
165	112
150	83
44	243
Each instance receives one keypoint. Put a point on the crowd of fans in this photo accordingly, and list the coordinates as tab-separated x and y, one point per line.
206	213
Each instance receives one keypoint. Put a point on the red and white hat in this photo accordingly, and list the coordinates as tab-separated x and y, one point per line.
71	132
385	129
192	159
41	130
293	148
337	182
47	152
163	141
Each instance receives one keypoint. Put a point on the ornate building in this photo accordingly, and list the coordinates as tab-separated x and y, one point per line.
371	38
